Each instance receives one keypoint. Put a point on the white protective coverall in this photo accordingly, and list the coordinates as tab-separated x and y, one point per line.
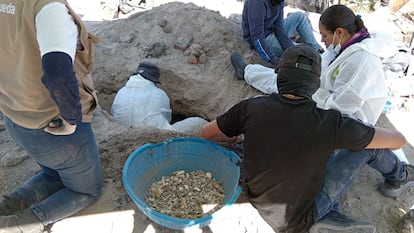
141	103
354	83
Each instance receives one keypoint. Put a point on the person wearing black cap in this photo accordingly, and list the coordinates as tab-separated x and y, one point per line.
352	79
293	177
131	104
149	71
141	103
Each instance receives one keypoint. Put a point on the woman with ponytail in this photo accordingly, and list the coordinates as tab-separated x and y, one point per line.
352	78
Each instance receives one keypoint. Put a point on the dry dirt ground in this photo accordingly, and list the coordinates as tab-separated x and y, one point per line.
197	75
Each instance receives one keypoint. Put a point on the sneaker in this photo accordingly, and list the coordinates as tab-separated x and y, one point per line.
335	222
238	64
10	205
24	221
393	188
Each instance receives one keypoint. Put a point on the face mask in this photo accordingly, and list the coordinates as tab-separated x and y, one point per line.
329	55
334	49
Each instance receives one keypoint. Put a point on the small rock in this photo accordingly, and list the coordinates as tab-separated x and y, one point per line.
202	59
163	23
128	38
167	29
183	41
237	18
122	201
193	60
196	50
157	50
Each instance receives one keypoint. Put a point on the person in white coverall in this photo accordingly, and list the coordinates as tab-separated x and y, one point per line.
141	103
352	77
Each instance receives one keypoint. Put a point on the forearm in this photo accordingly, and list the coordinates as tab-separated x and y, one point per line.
212	132
222	138
57	37
265	52
60	80
387	139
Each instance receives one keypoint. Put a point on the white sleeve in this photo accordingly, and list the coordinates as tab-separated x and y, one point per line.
261	77
56	31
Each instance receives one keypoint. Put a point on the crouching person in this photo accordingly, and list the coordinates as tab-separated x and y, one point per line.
47	98
293	175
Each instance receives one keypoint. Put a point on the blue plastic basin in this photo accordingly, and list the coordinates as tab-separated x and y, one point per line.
150	162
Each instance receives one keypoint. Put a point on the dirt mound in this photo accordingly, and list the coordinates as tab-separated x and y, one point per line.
192	47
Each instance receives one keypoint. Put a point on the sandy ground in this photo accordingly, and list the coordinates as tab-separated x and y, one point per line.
115	212
242	217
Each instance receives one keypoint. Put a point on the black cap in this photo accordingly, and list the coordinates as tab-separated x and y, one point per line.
149	71
298	71
301	57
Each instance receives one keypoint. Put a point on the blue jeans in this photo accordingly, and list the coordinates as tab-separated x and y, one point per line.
344	166
70	178
295	22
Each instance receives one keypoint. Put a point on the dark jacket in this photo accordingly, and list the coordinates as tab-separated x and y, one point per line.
260	18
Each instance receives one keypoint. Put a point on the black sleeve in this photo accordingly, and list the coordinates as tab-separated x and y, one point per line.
354	134
231	122
60	79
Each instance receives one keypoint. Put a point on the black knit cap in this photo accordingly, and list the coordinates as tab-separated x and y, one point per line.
298	71
149	71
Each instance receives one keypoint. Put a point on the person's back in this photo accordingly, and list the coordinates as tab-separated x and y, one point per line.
294	176
284	137
141	103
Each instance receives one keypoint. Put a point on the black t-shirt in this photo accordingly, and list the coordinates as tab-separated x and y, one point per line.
286	146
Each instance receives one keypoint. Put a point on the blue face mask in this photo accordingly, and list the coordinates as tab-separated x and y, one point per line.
334	49
329	55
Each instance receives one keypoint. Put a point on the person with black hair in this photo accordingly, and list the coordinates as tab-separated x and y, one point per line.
352	77
265	29
293	174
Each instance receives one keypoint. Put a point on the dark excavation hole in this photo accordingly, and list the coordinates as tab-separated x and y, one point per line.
178	117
